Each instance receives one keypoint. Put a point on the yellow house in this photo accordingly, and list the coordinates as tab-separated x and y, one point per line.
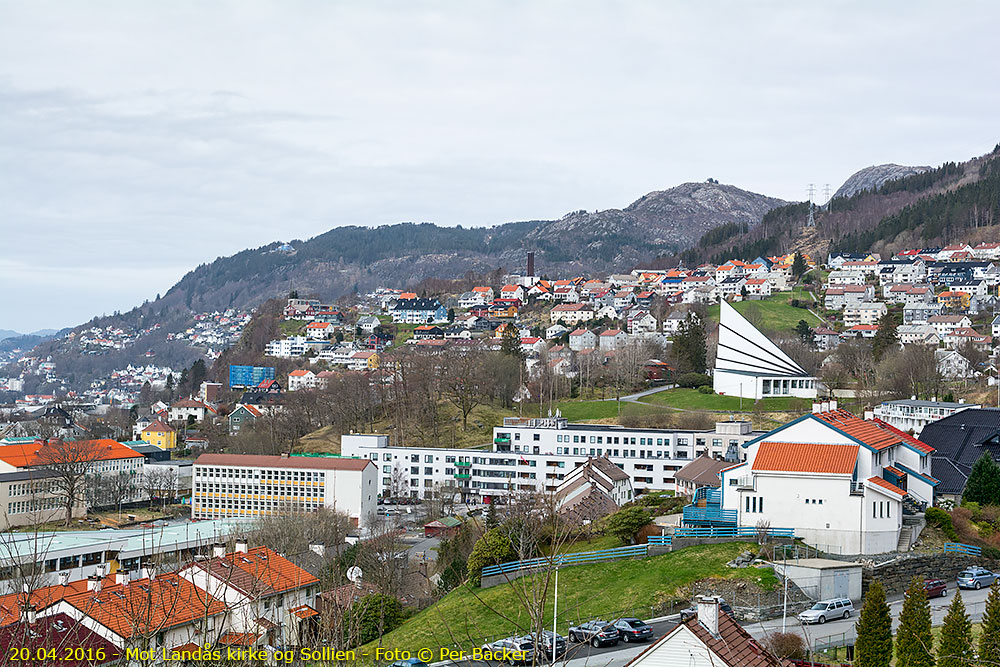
160	435
954	299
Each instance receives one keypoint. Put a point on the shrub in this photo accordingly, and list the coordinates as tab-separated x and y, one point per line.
938	517
371	617
626	522
787	645
704	389
691	380
493	548
991	552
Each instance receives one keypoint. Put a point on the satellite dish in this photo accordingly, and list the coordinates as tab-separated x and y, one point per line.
354	574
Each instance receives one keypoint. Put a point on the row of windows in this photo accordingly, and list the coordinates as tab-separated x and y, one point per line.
627	453
881	510
754	504
30	488
784	386
272	489
257	473
42	504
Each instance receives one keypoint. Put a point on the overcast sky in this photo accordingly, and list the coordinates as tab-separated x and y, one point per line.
140	139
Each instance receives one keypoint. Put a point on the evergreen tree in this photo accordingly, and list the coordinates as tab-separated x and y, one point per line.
955	648
690	348
873	647
914	642
799	266
510	341
804	332
887	335
983	485
989	640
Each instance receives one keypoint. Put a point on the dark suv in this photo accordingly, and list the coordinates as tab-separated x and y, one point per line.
597	632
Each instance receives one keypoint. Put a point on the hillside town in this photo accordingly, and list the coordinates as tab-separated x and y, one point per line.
745	425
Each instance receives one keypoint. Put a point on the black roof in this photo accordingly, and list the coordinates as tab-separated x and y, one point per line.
960	439
417	304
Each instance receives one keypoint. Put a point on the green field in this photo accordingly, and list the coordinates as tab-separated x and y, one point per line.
468	616
583	410
692	399
776	312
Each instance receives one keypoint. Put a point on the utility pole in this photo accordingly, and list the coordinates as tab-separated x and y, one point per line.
555	609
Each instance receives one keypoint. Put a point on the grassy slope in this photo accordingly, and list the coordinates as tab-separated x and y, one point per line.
692	399
465	615
776	312
582	410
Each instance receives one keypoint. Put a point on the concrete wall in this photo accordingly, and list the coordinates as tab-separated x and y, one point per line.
895	575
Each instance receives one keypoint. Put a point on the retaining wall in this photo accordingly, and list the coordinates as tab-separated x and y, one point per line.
895	575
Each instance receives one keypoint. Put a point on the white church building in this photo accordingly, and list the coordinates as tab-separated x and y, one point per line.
748	364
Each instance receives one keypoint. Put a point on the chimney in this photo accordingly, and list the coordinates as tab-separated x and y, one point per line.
817	408
63	578
28	614
708	613
241	546
218	550
531	263
94	583
318	548
833	405
869	415
913	397
122	577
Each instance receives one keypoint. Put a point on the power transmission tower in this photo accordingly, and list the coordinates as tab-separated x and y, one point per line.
811	222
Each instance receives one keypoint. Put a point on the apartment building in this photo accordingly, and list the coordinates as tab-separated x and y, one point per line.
535	455
913	415
243	485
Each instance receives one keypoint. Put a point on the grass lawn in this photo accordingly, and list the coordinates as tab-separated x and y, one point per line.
692	399
776	312
597	543
467	616
584	410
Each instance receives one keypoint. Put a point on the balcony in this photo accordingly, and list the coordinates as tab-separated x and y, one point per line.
708	516
857	489
462	475
463	464
501	440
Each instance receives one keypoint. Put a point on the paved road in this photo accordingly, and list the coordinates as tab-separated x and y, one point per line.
975	602
632	398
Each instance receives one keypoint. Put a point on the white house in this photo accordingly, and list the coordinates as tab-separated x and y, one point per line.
750	365
593	490
582	339
864	313
571	314
612	339
555	331
301	379
913	415
838	480
319	330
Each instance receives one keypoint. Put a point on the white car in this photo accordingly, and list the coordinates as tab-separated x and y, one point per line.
826	610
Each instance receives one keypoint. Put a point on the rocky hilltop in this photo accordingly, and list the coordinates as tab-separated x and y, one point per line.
872	178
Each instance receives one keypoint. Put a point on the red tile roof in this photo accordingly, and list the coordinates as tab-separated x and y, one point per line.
147	606
806	457
26	455
917	444
734	646
867	432
878	481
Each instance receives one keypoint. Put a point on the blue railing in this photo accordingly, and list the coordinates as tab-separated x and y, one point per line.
710	494
694	514
730	531
659	540
966	549
566	559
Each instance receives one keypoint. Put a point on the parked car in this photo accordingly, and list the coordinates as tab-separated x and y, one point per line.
597	632
935	588
692	611
512	650
543	644
633	630
975	577
825	610
411	662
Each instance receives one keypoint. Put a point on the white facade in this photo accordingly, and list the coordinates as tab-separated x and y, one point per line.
243	486
913	415
748	364
537	454
814	476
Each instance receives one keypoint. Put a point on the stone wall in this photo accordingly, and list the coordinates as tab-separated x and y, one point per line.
895	575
